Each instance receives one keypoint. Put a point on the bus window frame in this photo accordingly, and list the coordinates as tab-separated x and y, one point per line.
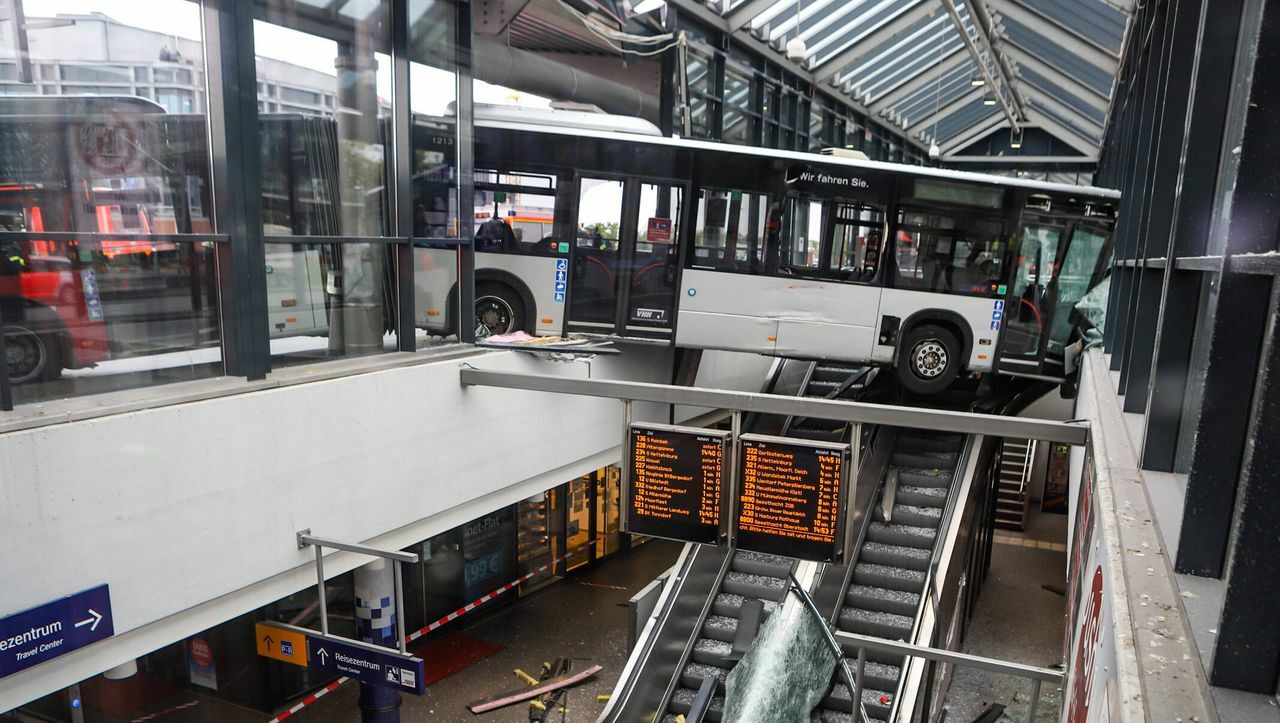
830	203
1010	230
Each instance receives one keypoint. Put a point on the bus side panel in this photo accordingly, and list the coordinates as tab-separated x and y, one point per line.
825	319
726	311
436	273
984	317
539	274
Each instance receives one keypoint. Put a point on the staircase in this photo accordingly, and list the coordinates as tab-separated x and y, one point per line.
754	578
891	569
828	380
1016	460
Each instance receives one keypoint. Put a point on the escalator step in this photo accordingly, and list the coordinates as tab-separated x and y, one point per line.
730	604
893	578
759	563
720	627
840	700
922	496
879	553
759	586
927	460
917	477
912	515
682	701
694	673
711	651
908	535
883	599
876	623
876	676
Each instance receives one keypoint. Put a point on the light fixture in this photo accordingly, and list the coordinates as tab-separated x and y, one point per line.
647	6
796	49
977	82
934	151
988	99
1015	138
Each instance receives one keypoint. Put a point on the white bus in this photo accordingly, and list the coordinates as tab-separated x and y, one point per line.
715	246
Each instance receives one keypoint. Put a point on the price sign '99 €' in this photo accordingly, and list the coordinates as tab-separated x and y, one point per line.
675	482
791	497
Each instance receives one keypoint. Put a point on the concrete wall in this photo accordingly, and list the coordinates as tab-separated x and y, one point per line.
189	511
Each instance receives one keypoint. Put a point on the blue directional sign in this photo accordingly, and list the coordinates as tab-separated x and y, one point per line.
366	663
55	628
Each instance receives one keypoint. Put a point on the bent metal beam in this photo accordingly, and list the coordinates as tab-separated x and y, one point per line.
887	414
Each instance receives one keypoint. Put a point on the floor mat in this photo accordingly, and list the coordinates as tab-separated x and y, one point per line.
450	653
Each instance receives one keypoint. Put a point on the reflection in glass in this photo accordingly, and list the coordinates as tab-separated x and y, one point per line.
325	160
83	148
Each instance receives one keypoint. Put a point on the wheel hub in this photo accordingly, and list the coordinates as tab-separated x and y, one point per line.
929	359
23	354
493	314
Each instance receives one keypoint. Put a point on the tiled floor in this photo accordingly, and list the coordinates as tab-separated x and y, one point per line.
1019	618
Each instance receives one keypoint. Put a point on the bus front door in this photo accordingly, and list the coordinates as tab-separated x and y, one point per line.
624	263
1056	264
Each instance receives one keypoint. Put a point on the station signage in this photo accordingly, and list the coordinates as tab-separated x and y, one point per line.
675	482
286	644
366	663
791	498
55	628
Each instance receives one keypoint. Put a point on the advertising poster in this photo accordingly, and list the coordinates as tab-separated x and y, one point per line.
200	665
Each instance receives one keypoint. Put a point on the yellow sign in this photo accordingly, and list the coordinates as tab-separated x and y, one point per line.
281	643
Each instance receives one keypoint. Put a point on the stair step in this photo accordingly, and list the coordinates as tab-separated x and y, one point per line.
912	515
758	586
839	700
883	600
730	605
876	623
879	553
925	460
921	496
694	673
682	702
710	651
896	534
893	578
720	627
759	563
918	477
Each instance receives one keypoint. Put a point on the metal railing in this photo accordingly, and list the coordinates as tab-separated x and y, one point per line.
1027	466
1037	676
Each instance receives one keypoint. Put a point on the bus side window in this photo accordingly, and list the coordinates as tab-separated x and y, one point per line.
729	235
946	254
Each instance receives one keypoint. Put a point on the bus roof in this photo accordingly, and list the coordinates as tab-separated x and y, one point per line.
802	157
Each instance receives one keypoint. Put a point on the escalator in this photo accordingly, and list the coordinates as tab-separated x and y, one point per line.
887	581
754	587
705	622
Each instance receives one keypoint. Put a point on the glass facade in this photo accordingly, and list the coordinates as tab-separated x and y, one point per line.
116	260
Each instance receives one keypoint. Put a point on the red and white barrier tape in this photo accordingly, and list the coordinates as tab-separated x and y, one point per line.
433	626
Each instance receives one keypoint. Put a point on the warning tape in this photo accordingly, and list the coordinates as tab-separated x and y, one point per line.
435	625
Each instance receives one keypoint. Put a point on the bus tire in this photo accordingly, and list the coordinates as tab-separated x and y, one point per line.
499	308
31	356
928	359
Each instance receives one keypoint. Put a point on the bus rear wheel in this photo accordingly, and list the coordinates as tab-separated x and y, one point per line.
929	359
31	356
499	309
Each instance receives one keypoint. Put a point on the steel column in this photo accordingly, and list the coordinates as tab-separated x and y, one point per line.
236	163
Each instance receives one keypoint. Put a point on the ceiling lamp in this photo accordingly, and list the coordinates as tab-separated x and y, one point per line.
796	49
1015	138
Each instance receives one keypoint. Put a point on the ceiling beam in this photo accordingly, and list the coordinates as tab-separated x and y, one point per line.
1022	160
926	124
1066	112
977	132
1073	42
921	80
870	42
1066	81
1062	133
709	17
996	80
741	16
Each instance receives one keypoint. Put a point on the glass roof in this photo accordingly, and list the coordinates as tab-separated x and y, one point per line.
954	71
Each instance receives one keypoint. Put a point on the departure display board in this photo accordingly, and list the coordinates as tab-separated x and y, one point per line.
789	502
675	478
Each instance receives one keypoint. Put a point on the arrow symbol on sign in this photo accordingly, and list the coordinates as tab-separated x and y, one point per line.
321	652
267	639
92	621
